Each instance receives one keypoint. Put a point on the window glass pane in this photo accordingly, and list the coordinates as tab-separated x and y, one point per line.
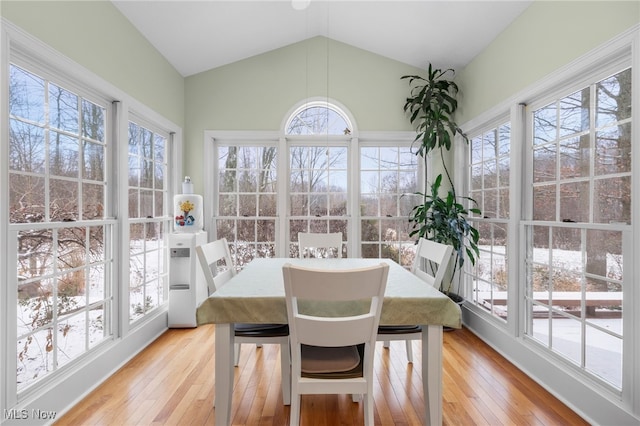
545	125
614	99
93	161
612	200
603	356
574	201
574	113
63	200
63	109
544	163
92	201
613	150
317	120
27	147
27	95
544	199
93	121
574	157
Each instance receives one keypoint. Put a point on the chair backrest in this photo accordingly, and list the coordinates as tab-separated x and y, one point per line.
211	256
429	256
334	307
310	242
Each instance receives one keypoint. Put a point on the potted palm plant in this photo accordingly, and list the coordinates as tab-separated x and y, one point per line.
444	219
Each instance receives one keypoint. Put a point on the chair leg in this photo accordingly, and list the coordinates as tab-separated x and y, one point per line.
409	351
285	367
236	355
368	409
385	344
294	412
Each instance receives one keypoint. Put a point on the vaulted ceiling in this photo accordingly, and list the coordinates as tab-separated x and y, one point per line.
196	36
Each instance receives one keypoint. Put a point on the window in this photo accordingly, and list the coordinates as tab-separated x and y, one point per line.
488	172
581	211
388	181
148	223
247	200
329	171
318	189
318	118
58	214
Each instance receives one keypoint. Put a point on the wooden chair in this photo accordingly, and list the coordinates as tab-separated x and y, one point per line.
429	255
333	355
215	261
319	245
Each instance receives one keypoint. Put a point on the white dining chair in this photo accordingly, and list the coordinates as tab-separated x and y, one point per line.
215	261
430	264
332	347
314	244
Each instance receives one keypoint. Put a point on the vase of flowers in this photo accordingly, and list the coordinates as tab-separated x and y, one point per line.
188	213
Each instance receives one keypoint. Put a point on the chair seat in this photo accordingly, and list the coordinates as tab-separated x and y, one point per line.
260	330
399	329
332	363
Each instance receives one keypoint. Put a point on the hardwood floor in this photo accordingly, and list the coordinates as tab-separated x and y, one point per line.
171	383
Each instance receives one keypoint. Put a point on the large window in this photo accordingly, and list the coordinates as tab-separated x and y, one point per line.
67	209
581	212
334	182
573	225
61	236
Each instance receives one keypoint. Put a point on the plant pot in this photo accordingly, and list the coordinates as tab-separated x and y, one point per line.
458	300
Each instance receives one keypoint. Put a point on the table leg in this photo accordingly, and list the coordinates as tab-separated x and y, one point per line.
432	373
224	373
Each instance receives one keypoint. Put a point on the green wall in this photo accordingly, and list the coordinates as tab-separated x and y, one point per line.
544	38
98	37
258	92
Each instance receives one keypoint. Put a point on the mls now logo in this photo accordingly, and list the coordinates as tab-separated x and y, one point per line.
24	414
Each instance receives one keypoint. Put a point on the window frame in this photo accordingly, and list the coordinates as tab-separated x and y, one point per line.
604	61
52	76
586	80
20	47
469	272
163	221
353	141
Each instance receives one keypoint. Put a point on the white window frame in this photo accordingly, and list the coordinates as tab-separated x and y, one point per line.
53	75
282	141
468	281
164	219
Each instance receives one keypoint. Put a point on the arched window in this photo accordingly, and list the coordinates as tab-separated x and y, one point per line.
318	118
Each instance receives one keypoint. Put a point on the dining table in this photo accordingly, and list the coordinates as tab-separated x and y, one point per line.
256	295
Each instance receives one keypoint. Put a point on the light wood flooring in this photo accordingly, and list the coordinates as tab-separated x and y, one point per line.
171	383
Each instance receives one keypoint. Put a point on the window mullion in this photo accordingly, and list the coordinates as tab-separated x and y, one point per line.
283	185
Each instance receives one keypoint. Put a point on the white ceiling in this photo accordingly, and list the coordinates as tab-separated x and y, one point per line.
196	36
